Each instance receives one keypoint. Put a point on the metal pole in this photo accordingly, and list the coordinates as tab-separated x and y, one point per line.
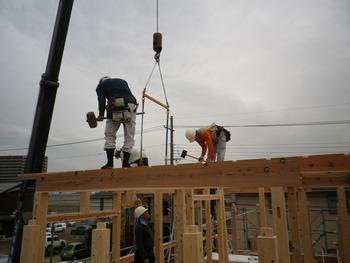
41	126
171	140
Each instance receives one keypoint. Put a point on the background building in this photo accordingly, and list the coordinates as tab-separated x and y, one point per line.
10	168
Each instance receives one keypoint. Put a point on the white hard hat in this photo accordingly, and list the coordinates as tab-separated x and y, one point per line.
139	211
103	79
191	134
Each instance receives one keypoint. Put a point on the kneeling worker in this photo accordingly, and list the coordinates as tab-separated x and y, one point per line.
134	158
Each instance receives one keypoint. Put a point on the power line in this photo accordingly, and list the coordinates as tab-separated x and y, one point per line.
338	122
148	130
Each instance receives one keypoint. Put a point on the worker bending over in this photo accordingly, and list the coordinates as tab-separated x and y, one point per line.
212	138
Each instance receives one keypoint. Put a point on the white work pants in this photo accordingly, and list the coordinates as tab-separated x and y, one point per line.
112	128
219	148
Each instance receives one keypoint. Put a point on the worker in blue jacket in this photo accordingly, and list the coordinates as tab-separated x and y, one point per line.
115	97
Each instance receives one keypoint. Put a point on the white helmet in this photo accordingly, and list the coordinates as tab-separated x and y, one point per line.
103	79
139	211
191	134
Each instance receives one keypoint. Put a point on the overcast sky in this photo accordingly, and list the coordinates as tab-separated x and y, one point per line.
242	64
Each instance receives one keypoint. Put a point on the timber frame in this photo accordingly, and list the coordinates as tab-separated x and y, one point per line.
190	184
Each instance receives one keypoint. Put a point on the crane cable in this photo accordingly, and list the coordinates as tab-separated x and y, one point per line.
157	47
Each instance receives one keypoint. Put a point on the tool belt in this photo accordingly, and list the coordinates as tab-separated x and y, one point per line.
118	110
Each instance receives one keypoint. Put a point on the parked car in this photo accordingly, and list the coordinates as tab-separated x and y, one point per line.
55	243
58	227
70	223
75	250
81	230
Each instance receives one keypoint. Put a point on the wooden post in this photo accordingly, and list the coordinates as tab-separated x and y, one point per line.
116	230
30	242
294	224
267	246
280	223
180	211
343	223
199	215
306	226
158	226
193	245
84	202
100	244
234	232
222	230
190	207
262	210
208	228
40	211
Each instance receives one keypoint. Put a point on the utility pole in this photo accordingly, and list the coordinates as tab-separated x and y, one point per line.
171	140
41	127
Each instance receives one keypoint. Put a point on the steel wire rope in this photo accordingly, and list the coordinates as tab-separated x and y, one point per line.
157	62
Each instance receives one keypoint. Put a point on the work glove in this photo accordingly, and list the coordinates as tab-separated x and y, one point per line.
201	158
146	260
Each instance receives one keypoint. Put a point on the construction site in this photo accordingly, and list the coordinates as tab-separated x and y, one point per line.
254	210
287	238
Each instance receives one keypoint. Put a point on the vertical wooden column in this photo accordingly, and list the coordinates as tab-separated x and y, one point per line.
306	234
267	246
234	232
158	226
222	230
190	207
199	215
280	223
116	230
294	224
40	211
193	245
100	244
180	211
208	228
343	226
84	202
30	242
261	209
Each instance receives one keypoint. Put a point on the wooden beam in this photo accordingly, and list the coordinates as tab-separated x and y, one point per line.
325	179
325	163
80	216
245	173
